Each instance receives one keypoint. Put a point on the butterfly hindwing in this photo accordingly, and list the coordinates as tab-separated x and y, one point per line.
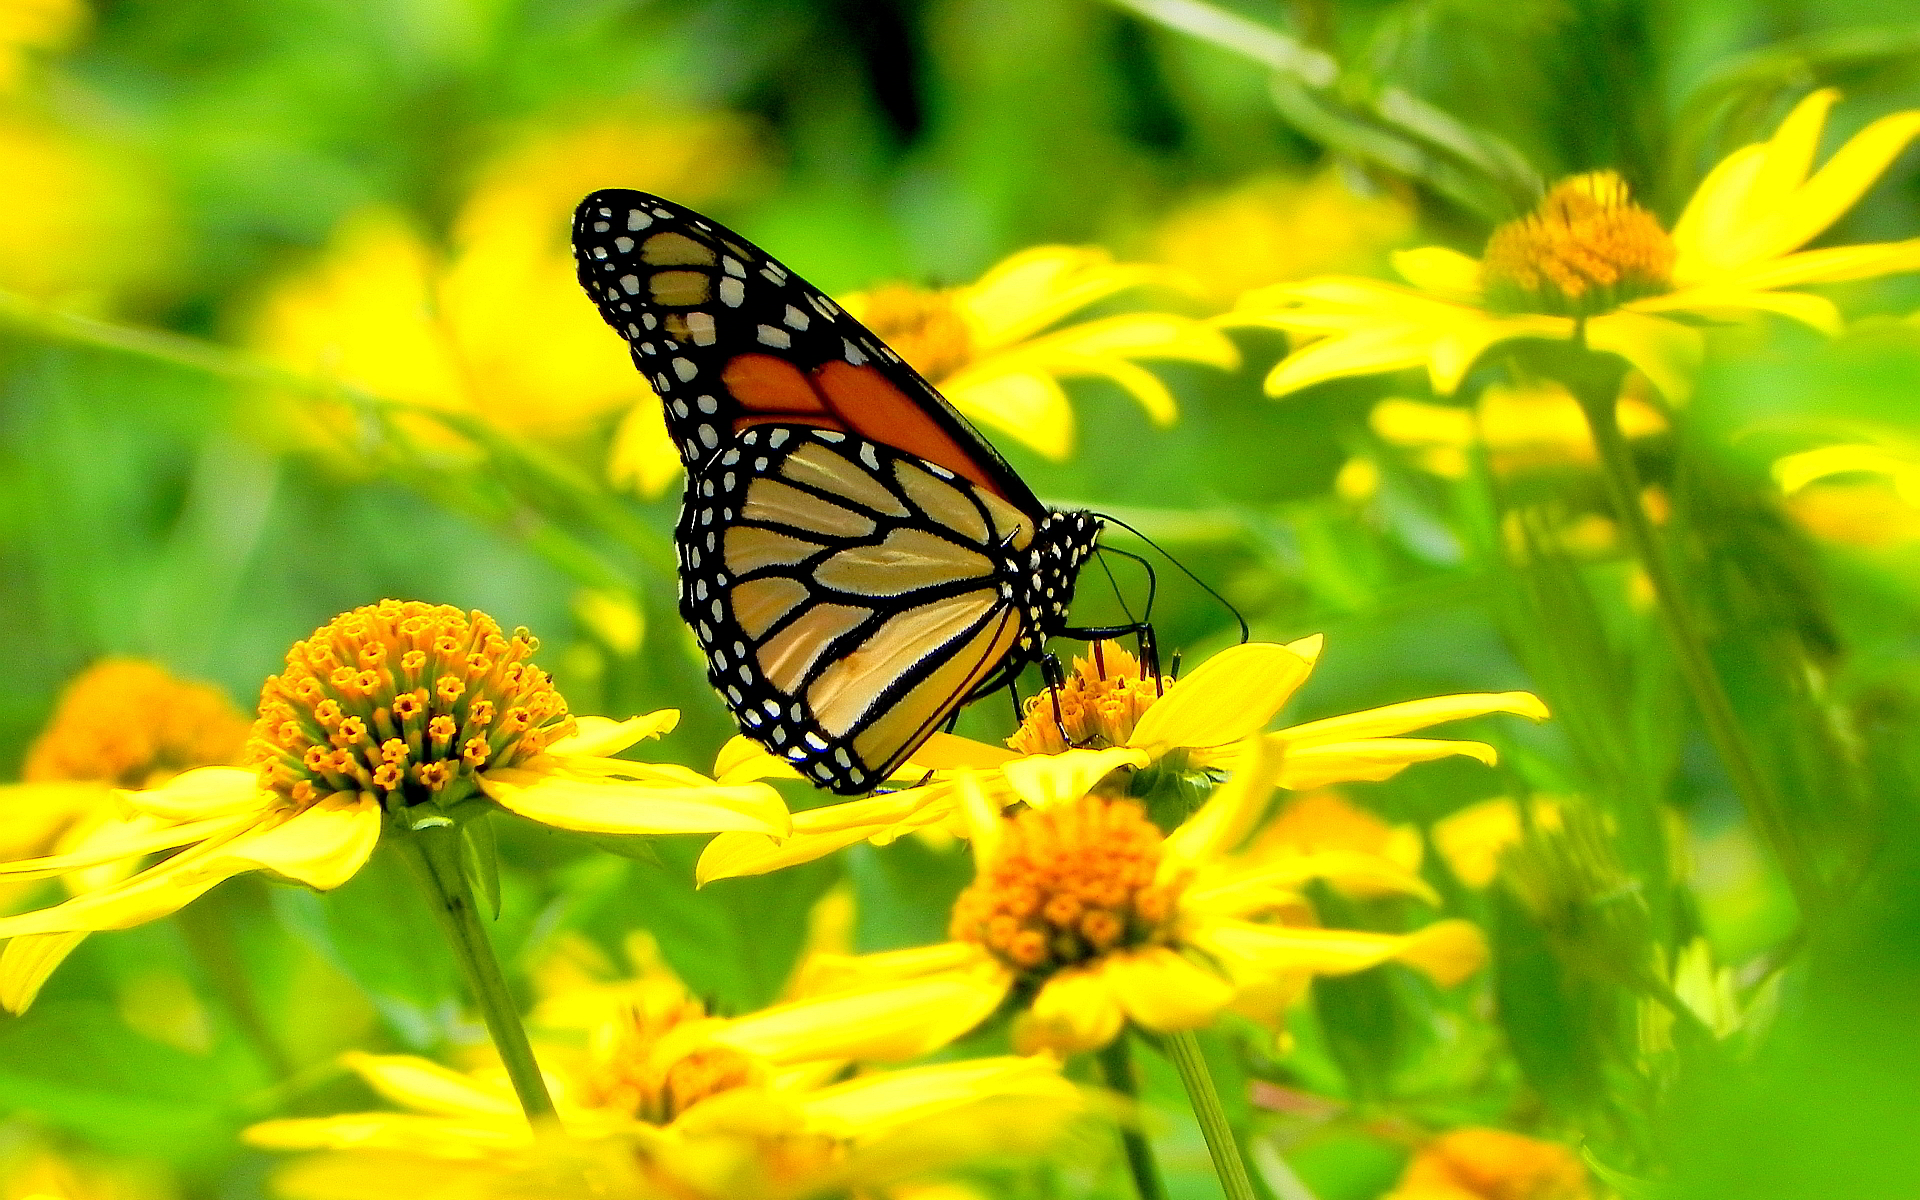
730	338
850	597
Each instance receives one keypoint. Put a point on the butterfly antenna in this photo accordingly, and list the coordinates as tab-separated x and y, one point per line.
1246	633
1153	583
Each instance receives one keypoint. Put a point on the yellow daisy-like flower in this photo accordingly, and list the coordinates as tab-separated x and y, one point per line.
998	348
30	1170
662	1105
398	711
1857	494
1589	262
1492	1164
121	723
494	328
1085	917
1114	726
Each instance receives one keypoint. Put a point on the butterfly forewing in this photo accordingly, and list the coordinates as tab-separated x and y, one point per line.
730	338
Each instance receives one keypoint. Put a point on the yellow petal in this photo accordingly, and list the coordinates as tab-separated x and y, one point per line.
1448	951
1231	695
26	963
1458	345
199	794
1371	760
731	855
1666	352
1043	779
1372	352
887	1022
416	1135
1075	1011
1229	815
743	760
119	841
140	898
428	1087
1439	270
1413	423
1834	264
1039	286
861	1107
600	737
1164	991
1028	406
1256	950
1800	216
1472	839
1412	714
946	752
1309	647
613	806
1715	212
981	817
321	847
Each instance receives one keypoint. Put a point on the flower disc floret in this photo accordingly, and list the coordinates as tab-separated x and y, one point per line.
924	326
1586	249
132	724
1103	698
405	701
1072	882
653	1071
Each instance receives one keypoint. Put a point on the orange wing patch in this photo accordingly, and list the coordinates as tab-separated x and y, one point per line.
839	395
863	397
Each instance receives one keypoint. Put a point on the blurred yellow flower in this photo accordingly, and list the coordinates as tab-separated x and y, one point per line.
660	1104
495	328
1278	227
1531	426
29	27
78	220
120	723
1087	918
398	711
1857	494
31	1171
999	347
1590	263
1473	839
1117	725
1492	1164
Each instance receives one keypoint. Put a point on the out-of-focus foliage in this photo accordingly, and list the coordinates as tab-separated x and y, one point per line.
288	325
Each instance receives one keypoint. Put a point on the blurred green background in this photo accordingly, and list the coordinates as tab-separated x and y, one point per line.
229	230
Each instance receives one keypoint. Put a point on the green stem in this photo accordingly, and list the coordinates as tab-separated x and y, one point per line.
1184	1050
1116	1069
434	854
1595	382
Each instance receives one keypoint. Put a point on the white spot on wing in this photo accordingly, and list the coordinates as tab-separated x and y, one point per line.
623	244
637	219
732	292
770	335
795	318
631	283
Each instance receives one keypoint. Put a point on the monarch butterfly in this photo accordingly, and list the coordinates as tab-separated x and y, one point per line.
856	562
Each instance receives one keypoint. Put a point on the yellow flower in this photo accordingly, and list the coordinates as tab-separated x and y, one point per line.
400	711
1531	426
998	348
1473	839
31	1171
1117	727
28	27
1492	1164
1278	227
661	1105
1857	494
1589	261
120	723
496	327
1087	918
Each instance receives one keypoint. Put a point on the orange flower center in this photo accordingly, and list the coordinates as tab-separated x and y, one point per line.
1070	882
402	700
132	724
1587	248
922	325
635	1076
1101	702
